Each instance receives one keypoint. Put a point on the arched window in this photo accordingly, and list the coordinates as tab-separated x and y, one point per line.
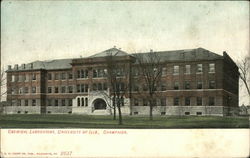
82	101
78	102
86	101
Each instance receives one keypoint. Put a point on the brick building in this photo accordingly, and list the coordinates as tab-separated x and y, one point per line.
193	82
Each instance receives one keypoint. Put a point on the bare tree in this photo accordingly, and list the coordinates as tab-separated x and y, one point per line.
244	68
151	68
2	84
117	74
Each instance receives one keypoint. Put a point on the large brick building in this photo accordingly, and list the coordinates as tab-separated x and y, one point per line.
194	82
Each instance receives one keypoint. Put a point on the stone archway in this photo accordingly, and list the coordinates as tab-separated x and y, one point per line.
99	104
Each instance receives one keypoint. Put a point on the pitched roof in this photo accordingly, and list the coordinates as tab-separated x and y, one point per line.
176	55
47	65
185	55
111	51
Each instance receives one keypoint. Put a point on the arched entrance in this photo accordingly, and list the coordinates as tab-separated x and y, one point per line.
99	104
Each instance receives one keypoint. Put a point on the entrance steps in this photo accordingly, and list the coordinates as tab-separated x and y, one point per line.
100	112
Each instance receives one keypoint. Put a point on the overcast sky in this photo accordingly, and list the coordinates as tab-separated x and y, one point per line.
37	30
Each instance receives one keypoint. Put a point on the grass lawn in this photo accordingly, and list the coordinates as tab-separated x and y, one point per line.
84	121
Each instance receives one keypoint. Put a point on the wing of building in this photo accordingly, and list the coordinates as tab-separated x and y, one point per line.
193	82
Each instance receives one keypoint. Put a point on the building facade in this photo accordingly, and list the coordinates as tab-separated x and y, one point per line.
193	82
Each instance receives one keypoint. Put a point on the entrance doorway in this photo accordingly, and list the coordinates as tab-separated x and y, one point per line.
100	104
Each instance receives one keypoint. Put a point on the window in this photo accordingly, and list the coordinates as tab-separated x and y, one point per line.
33	102
82	88
163	87
198	113
56	90
13	78
18	102
145	102
82	103
13	90
105	86
70	75
20	90
187	69
49	102
33	89
199	68
187	85
163	102
16	78
99	73
63	89
199	85
164	71
26	78
136	102
49	76
94	87
176	70
63	76
135	71
176	101
82	73
187	113
163	113
26	102
187	101
78	102
99	86
49	89
70	89
199	101
211	101
56	76
20	78
56	102
211	68
211	84
26	90
70	102
136	113
63	102
86	101
176	85
33	76
154	102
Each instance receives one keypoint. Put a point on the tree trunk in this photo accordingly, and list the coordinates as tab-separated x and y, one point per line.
150	110
114	106
119	112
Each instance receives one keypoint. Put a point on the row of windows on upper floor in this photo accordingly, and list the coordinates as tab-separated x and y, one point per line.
83	88
99	73
176	101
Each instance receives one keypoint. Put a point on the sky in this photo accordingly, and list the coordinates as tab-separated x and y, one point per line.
45	30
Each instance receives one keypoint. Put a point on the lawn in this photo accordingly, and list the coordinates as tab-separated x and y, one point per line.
85	121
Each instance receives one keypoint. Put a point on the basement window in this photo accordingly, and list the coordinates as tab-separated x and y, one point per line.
19	112
187	113
49	112
26	112
198	113
136	113
163	113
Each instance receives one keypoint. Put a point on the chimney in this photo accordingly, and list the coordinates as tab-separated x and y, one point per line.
151	50
23	66
114	46
9	67
16	67
31	65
